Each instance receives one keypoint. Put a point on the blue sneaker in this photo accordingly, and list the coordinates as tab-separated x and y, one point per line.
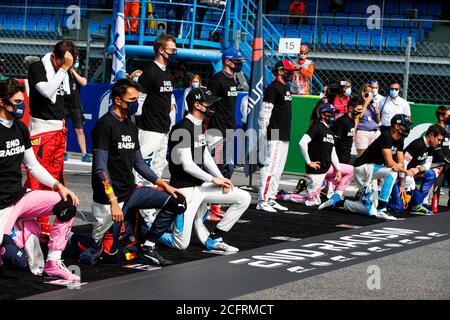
421	209
66	156
331	202
219	244
86	158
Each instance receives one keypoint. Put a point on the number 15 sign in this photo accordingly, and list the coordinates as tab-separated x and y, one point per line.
289	45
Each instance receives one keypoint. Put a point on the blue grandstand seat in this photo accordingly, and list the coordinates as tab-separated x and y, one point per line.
290	27
421	8
391	7
362	41
345	29
376	41
204	35
304	28
94	27
35	11
341	19
362	6
392	42
19	26
8	24
403	6
411	24
360	30
42	27
327	21
104	26
389	30
351	6
331	28
291	33
396	23
348	40
30	25
402	31
323	39
385	22
334	39
355	22
426	25
307	37
418	34
279	27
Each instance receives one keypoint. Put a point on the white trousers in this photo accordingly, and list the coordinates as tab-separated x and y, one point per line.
269	180
197	199
154	151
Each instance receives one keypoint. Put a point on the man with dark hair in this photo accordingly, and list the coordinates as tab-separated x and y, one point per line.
442	153
116	153
275	119
49	82
382	159
15	202
224	85
392	104
344	130
319	151
193	169
417	158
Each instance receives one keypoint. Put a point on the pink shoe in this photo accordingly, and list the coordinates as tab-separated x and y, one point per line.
58	269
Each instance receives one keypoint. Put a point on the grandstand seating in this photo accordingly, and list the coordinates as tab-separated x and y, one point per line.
339	30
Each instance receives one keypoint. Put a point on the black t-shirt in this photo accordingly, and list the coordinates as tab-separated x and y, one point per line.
72	100
224	87
120	139
13	143
320	147
157	84
374	153
186	134
40	106
280	96
344	131
442	150
417	152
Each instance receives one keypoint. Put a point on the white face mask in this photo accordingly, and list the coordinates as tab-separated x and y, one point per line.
195	84
374	92
348	92
321	95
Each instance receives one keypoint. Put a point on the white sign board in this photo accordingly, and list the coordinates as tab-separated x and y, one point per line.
289	45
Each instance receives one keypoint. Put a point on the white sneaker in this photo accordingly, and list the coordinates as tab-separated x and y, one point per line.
383	214
326	204
315	202
275	205
265	206
219	244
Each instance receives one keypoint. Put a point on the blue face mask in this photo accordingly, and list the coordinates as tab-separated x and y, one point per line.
132	107
393	93
18	110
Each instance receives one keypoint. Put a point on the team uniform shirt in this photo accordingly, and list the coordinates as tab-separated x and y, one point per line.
389	108
13	143
223	86
72	100
279	95
443	150
417	152
120	139
40	106
320	147
179	178
374	153
344	131
156	109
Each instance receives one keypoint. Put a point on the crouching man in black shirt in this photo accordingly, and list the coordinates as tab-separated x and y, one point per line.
193	169
116	153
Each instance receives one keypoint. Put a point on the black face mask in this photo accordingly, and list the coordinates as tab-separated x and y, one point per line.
237	67
356	114
210	111
287	76
405	132
447	120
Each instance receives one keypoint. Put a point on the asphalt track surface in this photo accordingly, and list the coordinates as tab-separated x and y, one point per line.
418	271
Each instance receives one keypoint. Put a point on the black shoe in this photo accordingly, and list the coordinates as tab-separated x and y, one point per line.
149	255
301	185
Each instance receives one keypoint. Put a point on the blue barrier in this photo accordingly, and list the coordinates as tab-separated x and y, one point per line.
95	102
